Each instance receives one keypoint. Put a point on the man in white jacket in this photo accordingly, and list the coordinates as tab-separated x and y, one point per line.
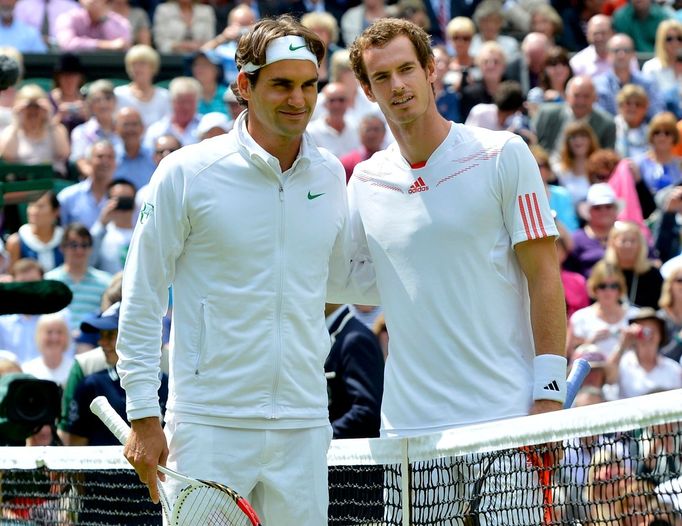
249	228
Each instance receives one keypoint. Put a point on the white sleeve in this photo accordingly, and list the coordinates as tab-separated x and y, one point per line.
525	206
357	283
157	242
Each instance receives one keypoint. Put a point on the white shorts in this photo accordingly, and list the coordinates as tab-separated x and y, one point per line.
281	472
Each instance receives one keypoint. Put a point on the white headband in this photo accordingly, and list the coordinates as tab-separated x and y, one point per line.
290	47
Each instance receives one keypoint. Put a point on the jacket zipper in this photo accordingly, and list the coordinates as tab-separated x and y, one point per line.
202	335
280	300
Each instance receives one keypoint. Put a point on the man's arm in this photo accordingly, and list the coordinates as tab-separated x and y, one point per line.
539	262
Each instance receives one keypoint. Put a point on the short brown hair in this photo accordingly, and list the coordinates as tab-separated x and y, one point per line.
379	34
253	45
25	265
600	162
664	121
602	271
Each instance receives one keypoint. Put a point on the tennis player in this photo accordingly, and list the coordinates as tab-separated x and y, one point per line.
457	224
244	227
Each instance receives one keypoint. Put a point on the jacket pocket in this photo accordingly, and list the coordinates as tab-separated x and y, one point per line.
201	343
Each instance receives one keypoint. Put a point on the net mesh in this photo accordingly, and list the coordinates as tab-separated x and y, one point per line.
612	464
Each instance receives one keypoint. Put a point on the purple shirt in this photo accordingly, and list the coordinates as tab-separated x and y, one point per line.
31	12
76	31
586	252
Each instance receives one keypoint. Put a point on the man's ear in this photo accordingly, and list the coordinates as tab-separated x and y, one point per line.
243	85
431	70
368	91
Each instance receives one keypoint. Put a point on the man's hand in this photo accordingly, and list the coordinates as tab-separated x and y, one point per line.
145	449
544	406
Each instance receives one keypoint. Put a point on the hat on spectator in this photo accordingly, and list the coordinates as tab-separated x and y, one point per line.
649	313
599	194
591	353
68	63
229	96
211	56
215	119
106	321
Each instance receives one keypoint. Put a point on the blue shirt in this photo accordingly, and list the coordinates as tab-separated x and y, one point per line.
25	38
138	170
447	103
215	104
78	204
561	203
608	86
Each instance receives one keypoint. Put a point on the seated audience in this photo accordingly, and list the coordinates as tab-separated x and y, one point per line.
639	20
570	168
54	346
662	66
325	26
631	122
17	33
447	99
34	137
140	26
491	62
66	97
460	31
372	132
489	19
182	26
659	167
334	131
40	237
91	27
206	68
555	75
43	16
142	63
134	161
213	124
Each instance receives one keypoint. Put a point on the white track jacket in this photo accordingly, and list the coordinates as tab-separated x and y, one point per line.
248	252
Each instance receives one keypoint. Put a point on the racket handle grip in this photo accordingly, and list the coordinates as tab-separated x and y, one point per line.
100	406
579	370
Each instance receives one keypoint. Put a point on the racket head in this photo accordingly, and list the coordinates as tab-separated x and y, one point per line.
212	504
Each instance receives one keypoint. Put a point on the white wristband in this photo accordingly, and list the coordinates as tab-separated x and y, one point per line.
549	382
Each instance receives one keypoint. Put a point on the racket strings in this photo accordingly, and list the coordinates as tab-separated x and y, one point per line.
209	506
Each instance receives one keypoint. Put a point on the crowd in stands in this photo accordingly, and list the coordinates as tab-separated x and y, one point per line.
594	88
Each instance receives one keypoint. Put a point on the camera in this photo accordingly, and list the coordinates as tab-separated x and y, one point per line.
125	203
26	404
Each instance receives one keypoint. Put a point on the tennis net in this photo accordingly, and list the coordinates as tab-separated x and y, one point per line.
611	464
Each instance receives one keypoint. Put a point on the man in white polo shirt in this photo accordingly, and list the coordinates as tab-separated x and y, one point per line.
457	224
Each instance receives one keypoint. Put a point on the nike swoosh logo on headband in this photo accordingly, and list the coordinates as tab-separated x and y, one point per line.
294	48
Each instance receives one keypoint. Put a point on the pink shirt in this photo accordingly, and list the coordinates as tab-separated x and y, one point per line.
76	31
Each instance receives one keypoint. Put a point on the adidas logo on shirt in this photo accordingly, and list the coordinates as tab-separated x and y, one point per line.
418	186
552	386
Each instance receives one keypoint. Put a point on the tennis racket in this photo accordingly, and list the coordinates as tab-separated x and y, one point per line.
200	501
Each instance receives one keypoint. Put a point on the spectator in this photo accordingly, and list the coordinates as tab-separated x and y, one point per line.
356	19
18	331
163	145
182	26
138	20
54	343
491	62
40	238
552	118
184	118
7	96
632	130
506	112
545	19
207	69
575	284
355	372
529	66
142	63
86	283
667	228
333	131
602	322
213	124
239	20
608	84
639	19
101	102
83	202
556	74
489	19
42	15
662	66
447	99
578	144
460	31
324	25
35	137
627	249
133	161
593	59
113	230
670	309
93	26
14	32
372	132
659	167
232	106
560	200
66	97
589	243
638	367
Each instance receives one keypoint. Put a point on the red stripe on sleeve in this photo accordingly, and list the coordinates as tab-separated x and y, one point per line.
524	218
532	217
537	212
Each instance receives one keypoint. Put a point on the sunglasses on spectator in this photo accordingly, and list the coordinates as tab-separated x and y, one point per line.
73	245
664	132
603	207
611	286
465	38
671	38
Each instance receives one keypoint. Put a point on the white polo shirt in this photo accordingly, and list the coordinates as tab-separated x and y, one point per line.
456	302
